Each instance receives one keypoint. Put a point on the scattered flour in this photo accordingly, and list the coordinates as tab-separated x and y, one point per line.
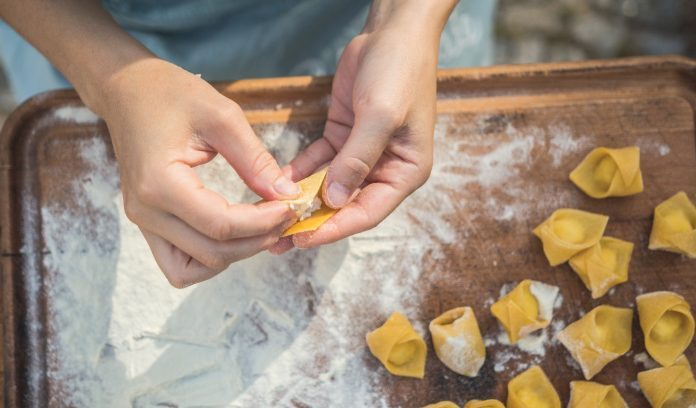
644	359
78	114
269	331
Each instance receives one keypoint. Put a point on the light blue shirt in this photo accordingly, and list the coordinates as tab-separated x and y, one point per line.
227	40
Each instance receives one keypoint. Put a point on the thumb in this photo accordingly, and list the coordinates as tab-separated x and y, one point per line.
354	162
235	140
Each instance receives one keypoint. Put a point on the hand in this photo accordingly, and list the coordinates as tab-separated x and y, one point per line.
379	130
163	122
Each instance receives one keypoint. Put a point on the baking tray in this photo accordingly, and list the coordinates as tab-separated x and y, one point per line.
646	101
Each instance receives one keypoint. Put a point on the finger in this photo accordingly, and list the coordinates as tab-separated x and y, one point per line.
369	137
282	246
214	255
374	203
179	191
231	135
310	159
179	268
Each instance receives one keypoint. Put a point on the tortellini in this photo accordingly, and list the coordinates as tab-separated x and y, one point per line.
609	173
442	404
669	387
457	341
674	226
532	389
567	232
528	307
603	265
398	347
667	323
588	394
311	210
491	403
598	338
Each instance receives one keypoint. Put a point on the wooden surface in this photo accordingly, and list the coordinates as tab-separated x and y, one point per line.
649	102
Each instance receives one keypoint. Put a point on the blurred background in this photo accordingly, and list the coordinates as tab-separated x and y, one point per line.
567	30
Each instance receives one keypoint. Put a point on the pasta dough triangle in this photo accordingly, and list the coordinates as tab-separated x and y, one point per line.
669	387
310	209
598	338
532	389
528	307
609	173
457	341
603	265
588	394
674	226
398	347
442	404
667	323
491	403
567	232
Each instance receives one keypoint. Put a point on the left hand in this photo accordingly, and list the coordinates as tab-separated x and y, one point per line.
379	130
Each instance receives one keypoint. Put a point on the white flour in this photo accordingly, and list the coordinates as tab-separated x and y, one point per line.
270	331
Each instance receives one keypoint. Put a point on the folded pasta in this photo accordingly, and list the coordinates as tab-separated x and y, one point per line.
311	210
674	226
603	265
442	404
532	389
527	308
599	337
491	403
567	232
398	347
457	341
667	323
608	172
588	394
669	387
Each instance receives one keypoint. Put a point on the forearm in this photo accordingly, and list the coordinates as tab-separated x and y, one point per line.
428	17
79	38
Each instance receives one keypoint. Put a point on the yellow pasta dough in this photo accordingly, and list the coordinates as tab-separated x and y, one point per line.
528	307
310	209
491	403
603	265
674	226
457	341
588	394
669	387
567	232
667	323
598	338
442	404
609	173
398	347
532	389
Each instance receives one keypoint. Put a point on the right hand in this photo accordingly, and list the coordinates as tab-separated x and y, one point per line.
163	122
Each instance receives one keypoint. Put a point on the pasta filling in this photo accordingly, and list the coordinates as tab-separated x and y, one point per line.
604	172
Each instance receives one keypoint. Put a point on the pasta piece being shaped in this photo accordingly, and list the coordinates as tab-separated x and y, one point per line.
603	265
311	210
567	232
442	404
667	323
608	172
491	403
674	226
457	341
398	347
598	338
532	389
527	308
669	387
588	394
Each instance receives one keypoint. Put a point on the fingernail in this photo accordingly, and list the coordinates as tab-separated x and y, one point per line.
284	186
337	195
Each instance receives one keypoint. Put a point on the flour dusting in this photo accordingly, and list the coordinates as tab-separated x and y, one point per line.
269	331
77	114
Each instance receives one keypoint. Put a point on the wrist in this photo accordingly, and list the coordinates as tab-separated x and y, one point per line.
426	17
